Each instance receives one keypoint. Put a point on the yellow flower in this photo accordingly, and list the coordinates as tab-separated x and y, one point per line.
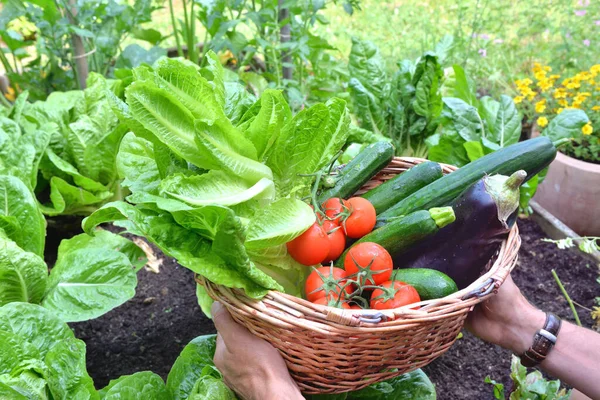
563	103
559	110
560	93
547	68
596	108
554	77
595	69
10	94
587	129
542	121
576	104
523	82
518	99
573	85
540	106
540	75
579	98
545	84
537	67
584	76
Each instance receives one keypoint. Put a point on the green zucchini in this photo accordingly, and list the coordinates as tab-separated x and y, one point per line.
359	170
429	283
401	186
532	155
401	233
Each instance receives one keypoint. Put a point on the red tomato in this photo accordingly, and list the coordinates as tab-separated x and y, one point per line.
331	301
369	262
355	307
393	294
334	207
337	240
362	218
325	281
311	247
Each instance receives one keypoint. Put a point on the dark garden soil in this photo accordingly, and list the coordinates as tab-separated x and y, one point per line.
148	332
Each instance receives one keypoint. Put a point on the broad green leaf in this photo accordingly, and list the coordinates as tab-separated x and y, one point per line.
80	180
527	191
506	130
426	80
204	300
337	129
68	199
188	367
35	324
20	214
368	66
288	273
22	274
211	388
279	223
161	113
144	385
462	118
488	110
204	220
103	239
27	385
299	148
474	150
190	249
265	128
67	376
447	148
414	385
237	101
215	142
136	164
567	124
169	163
369	110
134	55
89	282
14	350
463	88
444	48
216	187
214	73
186	83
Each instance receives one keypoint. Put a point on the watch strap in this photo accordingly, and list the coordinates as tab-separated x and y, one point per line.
543	341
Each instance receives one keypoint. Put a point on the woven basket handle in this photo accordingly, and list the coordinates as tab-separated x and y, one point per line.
484	289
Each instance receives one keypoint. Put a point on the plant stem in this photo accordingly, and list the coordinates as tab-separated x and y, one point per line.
564	292
187	27
5	63
175	33
193	51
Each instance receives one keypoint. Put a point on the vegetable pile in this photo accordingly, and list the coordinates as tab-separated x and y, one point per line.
241	192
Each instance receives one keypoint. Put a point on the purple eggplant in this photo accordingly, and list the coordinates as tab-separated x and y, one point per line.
485	213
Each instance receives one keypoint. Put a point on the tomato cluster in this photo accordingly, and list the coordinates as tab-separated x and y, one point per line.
337	219
367	267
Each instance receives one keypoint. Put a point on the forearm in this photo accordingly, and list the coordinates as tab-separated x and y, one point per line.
575	359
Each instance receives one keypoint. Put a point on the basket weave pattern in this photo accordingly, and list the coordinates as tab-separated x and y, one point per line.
330	350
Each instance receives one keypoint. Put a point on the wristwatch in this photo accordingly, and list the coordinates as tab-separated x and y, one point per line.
543	341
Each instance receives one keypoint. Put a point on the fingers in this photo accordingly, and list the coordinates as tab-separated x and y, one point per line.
229	330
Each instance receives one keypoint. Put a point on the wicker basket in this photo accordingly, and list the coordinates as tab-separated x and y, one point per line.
330	350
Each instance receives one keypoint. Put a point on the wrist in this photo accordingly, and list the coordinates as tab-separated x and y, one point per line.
521	331
282	389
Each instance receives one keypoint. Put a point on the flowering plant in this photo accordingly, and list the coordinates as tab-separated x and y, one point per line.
554	104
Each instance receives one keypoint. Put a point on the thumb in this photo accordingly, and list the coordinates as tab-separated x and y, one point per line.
227	327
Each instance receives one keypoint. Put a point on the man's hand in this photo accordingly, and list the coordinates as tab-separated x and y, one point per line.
251	367
506	319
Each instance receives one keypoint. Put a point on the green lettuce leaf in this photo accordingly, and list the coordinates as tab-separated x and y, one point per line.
37	325
279	223
22	274
88	282
144	385
189	366
66	374
20	217
506	129
216	187
27	385
567	124
211	388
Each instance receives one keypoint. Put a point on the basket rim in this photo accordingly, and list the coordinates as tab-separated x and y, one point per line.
277	306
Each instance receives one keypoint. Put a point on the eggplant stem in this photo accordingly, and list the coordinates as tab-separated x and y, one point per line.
515	180
564	292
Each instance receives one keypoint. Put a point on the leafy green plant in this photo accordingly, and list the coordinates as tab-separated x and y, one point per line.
272	44
71	39
530	386
64	148
404	108
220	193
